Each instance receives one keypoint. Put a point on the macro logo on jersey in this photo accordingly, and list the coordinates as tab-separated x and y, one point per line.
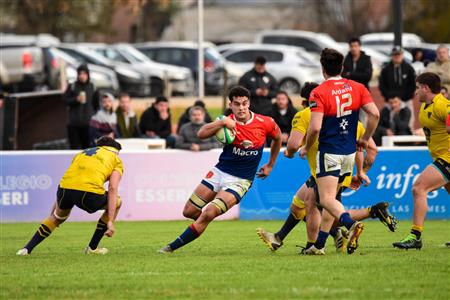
242	157
339	100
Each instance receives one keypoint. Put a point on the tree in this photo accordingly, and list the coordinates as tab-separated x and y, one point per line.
62	18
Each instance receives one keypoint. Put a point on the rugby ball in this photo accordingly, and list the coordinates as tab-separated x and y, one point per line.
224	135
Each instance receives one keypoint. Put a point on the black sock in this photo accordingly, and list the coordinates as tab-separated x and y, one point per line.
309	244
333	231
288	225
40	235
98	234
417	233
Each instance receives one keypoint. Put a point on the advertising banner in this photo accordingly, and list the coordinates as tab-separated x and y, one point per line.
392	176
155	184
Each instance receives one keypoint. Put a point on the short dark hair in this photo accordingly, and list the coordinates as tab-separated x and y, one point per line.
431	80
123	95
238	91
331	61
307	88
108	141
354	40
286	94
260	60
161	99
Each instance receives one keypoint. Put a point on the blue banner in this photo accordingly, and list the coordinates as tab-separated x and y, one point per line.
392	176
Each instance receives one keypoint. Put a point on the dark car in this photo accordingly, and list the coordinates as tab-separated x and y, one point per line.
185	54
131	81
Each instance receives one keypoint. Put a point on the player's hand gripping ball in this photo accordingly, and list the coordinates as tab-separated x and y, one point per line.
224	135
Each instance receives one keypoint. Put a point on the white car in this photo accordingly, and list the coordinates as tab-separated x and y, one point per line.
291	66
386	40
181	80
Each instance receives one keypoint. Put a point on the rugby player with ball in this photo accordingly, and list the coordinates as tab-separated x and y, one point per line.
243	134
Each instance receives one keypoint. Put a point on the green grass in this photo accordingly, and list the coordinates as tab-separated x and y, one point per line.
227	262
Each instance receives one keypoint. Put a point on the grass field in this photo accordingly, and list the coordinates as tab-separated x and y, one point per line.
227	262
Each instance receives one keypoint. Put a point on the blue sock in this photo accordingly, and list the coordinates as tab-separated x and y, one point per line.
186	237
333	231
321	239
346	220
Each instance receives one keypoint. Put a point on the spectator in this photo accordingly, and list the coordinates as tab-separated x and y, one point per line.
126	118
185	118
397	79
357	64
188	139
441	66
104	122
82	100
418	61
156	121
306	91
394	120
262	86
283	111
444	92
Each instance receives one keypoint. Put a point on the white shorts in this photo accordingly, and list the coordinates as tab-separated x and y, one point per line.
217	180
334	164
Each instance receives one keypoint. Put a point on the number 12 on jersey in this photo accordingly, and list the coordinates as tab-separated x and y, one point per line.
342	104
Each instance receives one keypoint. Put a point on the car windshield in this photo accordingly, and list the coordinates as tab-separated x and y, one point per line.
64	56
134	55
95	57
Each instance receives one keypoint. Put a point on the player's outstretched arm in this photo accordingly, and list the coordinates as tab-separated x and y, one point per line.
313	132
373	116
210	129
293	144
113	190
275	147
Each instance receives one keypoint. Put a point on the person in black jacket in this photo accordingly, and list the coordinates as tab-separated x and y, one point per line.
357	64
394	120
283	111
262	86
83	101
185	118
156	121
398	78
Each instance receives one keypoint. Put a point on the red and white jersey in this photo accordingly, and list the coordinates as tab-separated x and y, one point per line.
339	100
242	157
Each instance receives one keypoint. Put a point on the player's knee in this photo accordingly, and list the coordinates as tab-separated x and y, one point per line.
208	214
190	213
297	212
418	189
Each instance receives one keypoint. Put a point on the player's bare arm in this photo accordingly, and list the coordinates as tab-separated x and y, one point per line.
275	147
373	116
210	129
313	132
293	144
113	190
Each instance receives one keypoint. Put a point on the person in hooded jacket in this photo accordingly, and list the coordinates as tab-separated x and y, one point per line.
357	64
82	102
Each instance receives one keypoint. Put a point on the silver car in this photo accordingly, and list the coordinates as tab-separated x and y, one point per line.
291	66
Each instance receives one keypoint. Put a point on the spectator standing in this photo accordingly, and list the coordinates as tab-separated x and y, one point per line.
185	117
394	120
283	111
187	137
127	123
82	101
357	64
262	86
104	122
156	121
418	61
397	79
441	66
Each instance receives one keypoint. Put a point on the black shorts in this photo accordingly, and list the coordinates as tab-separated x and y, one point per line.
311	183
87	201
443	167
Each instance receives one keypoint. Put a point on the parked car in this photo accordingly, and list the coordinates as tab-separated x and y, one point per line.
185	54
291	66
103	78
131	80
312	42
385	40
180	78
22	66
